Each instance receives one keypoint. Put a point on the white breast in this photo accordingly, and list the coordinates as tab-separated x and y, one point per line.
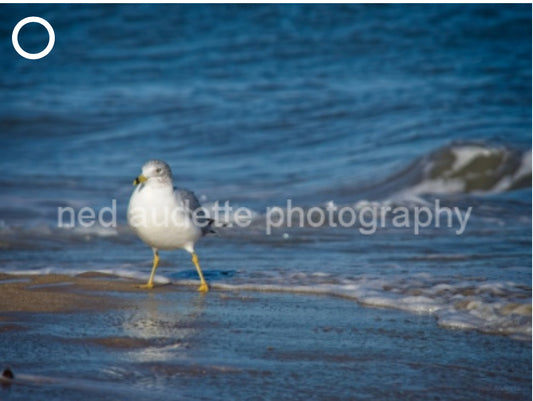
161	219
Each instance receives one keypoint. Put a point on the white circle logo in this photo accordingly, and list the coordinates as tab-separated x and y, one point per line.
51	38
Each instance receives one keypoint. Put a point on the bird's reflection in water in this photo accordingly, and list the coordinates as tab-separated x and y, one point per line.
165	324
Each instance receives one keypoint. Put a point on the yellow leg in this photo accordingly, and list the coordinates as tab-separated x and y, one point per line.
203	285
150	284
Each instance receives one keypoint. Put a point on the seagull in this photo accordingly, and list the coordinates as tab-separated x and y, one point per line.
166	218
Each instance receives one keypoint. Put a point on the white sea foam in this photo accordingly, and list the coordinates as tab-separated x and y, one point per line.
438	186
506	182
461	305
122	272
465	155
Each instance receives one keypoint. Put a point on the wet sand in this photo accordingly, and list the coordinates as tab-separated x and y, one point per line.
60	293
98	336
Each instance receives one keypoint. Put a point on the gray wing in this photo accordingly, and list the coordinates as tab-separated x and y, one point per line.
190	201
188	198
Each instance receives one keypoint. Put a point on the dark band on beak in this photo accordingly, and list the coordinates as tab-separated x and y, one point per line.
140	179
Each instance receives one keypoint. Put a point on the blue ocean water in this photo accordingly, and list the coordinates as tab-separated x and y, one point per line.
255	105
345	105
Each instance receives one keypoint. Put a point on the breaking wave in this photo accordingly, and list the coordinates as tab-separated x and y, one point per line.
473	168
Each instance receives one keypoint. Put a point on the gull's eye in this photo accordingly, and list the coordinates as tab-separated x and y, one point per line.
158	170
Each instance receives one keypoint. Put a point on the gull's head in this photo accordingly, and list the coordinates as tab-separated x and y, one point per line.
154	170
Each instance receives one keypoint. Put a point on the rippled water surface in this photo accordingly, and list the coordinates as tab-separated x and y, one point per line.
363	107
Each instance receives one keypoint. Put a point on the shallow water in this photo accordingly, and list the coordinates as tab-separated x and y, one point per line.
350	106
248	345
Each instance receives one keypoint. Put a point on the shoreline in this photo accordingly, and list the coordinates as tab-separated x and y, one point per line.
99	336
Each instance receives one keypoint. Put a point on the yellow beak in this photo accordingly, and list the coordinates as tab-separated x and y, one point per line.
139	180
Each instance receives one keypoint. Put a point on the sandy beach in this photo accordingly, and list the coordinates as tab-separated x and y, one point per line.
57	293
